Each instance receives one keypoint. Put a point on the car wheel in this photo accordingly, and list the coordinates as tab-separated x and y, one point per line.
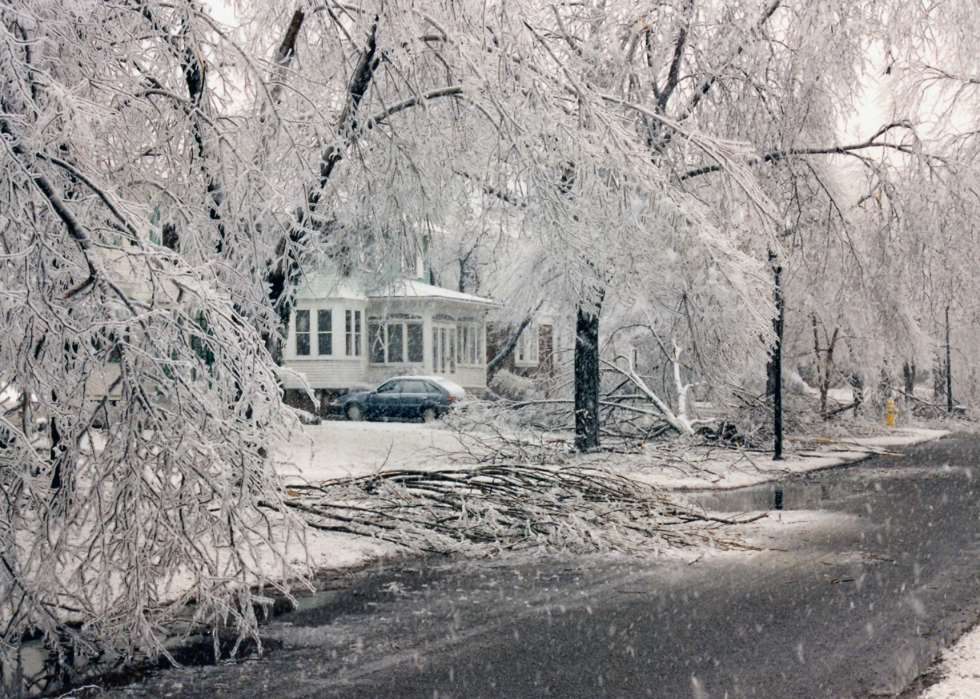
429	415
354	413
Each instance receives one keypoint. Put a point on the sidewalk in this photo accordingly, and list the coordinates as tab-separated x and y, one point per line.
671	467
958	669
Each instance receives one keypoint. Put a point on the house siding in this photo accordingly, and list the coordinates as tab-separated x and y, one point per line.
326	373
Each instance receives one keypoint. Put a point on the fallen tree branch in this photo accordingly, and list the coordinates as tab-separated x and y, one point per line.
668	415
503	506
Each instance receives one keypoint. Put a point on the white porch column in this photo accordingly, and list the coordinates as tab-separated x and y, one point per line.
427	341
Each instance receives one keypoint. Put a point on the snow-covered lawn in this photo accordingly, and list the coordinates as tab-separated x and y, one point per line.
706	467
339	449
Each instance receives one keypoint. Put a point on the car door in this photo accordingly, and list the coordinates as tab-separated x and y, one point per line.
415	396
384	400
436	397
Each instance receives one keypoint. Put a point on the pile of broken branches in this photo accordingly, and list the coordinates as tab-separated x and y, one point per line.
504	507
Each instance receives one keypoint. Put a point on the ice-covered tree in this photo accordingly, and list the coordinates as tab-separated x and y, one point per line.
140	397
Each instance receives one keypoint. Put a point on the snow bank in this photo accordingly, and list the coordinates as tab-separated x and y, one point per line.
960	669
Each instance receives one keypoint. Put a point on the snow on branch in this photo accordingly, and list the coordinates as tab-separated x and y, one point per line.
850	149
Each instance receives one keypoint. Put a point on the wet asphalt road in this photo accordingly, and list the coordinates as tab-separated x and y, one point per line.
851	605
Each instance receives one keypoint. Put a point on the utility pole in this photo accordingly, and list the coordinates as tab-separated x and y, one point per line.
949	369
776	363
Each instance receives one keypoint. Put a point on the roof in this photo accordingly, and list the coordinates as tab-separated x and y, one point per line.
328	285
412	288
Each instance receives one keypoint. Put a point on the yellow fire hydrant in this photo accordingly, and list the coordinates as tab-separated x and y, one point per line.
891	412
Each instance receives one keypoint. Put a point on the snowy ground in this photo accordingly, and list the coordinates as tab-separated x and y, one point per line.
704	468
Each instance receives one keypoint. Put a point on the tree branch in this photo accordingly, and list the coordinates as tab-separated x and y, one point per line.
852	149
508	349
706	86
673	74
678	425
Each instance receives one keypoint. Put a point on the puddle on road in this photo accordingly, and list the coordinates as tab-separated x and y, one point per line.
840	491
769	496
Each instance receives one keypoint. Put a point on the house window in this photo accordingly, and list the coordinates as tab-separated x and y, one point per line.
376	336
353	333
468	344
527	347
303	333
324	332
395	342
415	342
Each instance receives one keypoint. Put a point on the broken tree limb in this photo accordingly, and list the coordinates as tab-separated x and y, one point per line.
680	426
843	409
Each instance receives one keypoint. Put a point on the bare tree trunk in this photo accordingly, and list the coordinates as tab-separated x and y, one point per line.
824	364
774	368
939	380
949	369
908	374
587	378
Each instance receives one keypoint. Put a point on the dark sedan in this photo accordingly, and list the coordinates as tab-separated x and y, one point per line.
405	398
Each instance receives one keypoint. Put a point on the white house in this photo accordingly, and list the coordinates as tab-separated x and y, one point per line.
345	332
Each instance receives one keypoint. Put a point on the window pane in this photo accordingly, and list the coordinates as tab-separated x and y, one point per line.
302	333
302	321
352	334
324	321
375	332
415	342
303	343
396	343
357	333
435	349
